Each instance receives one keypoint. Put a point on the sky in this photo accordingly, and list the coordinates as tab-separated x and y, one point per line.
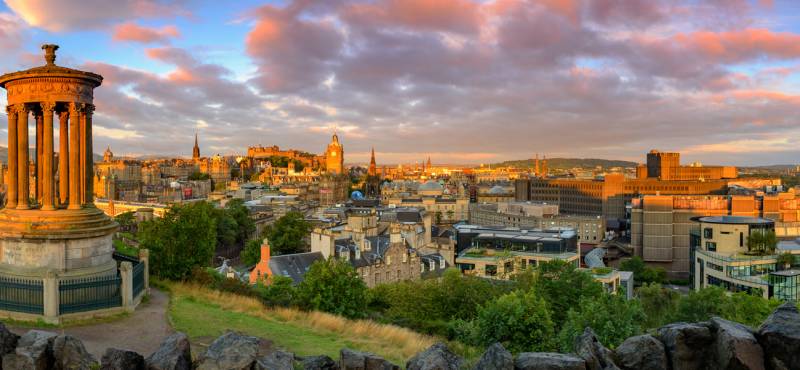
461	81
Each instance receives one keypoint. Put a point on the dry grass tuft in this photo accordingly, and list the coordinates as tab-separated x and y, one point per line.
397	339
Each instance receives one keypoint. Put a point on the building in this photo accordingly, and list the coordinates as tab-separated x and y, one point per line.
667	167
660	224
196	149
530	215
720	257
334	156
53	243
499	253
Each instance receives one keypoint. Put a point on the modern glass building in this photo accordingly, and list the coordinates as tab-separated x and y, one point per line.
720	256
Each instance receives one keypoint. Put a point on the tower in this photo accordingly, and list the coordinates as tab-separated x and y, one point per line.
196	149
334	156
108	156
373	168
429	163
536	169
544	167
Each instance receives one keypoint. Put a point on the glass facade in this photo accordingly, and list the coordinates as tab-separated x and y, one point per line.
785	285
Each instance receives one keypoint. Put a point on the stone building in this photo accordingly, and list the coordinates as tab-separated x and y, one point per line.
528	215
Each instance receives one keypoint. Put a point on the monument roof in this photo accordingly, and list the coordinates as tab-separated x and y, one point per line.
50	69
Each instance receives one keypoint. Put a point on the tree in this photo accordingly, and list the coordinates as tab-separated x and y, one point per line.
612	317
658	303
564	287
785	260
333	286
518	320
762	242
236	209
279	291
643	274
126	219
748	309
227	228
181	240
196	176
287	234
251	253
701	305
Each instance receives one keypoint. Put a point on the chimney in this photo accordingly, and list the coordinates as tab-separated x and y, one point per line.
395	236
265	250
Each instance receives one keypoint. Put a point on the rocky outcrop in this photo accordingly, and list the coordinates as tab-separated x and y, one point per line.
354	360
736	346
34	351
8	342
549	361
120	359
642	352
715	344
174	354
319	363
70	354
779	337
688	346
496	357
278	360
436	357
596	355
231	351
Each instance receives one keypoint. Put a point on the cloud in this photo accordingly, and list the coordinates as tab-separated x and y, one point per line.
59	15
133	32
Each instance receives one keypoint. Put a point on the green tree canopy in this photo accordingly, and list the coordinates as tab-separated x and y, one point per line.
183	239
518	320
659	304
762	242
245	225
612	317
333	286
287	234
125	219
564	287
195	176
643	274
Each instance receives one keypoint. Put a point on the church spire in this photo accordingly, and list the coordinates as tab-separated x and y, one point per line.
373	167
196	149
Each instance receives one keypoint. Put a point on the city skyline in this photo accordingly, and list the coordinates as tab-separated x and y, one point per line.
464	82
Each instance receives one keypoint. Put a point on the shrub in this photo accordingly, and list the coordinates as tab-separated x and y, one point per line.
518	320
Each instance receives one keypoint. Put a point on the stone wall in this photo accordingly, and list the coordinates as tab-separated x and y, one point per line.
714	344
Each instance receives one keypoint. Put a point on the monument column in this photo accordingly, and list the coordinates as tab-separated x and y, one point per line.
89	178
11	194
23	169
74	157
63	157
81	118
46	168
37	114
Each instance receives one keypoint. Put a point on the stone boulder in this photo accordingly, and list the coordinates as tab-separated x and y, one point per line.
120	359
34	351
642	352
355	360
8	342
688	346
277	360
496	357
436	357
175	353
231	351
70	354
597	356
319	363
736	346
779	336
548	361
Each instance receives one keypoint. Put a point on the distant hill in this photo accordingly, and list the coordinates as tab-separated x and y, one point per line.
31	152
567	163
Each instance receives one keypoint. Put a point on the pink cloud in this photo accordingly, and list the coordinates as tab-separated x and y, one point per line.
59	15
740	45
135	33
459	16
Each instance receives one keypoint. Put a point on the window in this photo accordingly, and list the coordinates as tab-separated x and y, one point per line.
405	257
431	265
388	260
708	233
491	270
711	246
441	263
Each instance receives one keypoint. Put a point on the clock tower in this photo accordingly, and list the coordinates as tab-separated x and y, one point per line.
334	156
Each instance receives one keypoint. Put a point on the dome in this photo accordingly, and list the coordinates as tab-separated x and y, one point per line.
497	190
357	195
430	185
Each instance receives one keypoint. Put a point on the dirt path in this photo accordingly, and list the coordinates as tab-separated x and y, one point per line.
142	331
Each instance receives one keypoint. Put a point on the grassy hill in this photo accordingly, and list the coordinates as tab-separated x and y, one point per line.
203	314
567	163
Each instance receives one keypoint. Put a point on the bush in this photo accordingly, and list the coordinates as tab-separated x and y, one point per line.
518	320
333	286
611	316
280	291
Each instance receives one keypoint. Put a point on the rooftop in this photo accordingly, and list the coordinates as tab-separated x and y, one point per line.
738	220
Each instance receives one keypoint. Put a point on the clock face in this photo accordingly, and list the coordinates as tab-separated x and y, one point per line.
333	154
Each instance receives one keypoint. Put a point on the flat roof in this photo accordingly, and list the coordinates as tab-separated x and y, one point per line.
786	273
739	220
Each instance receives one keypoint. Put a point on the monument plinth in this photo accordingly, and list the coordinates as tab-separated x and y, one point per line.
49	222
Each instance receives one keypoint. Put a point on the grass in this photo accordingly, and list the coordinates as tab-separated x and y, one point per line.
200	312
125	249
